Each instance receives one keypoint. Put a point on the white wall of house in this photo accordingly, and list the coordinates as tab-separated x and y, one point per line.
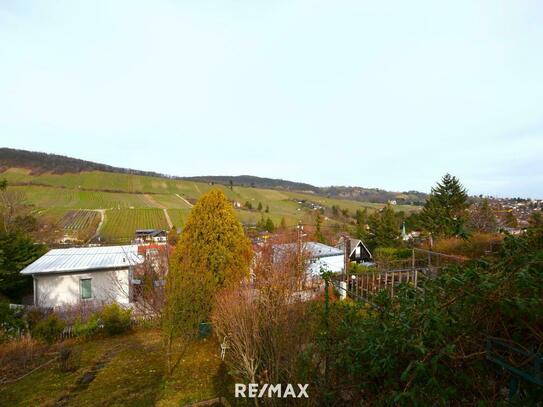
52	290
331	263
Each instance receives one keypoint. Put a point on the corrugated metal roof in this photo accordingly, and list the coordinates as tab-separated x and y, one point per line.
85	259
314	249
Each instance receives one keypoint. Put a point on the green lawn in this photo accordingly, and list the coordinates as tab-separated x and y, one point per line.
130	371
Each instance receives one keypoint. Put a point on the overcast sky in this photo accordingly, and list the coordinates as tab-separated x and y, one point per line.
378	94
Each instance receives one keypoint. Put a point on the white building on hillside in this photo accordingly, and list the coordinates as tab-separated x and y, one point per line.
83	274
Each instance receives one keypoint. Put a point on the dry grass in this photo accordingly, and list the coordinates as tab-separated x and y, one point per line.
128	370
19	356
478	245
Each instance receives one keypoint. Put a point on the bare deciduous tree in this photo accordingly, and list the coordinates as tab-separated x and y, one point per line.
264	322
12	206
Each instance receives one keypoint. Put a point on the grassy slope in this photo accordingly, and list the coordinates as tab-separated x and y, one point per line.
133	376
56	194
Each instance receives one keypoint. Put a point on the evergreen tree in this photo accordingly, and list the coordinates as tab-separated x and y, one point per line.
248	205
270	226
16	252
17	249
267	209
261	224
283	224
362	220
212	252
413	222
361	217
260	206
385	228
444	213
213	241
265	224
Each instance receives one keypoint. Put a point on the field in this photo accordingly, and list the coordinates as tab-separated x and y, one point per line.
132	202
120	224
79	220
129	371
178	216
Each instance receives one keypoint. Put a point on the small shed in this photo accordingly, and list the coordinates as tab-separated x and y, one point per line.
83	274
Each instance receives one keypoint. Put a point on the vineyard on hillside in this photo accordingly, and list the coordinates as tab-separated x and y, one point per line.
67	206
80	225
120	224
78	220
179	217
49	197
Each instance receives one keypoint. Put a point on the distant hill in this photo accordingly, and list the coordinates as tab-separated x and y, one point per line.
40	163
257	182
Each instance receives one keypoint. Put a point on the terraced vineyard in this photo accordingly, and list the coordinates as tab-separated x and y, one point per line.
120	224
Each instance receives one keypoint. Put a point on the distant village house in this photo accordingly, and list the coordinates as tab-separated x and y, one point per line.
358	252
150	236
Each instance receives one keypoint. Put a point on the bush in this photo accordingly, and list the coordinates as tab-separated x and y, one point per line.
11	322
49	329
390	257
116	320
478	245
427	347
355	268
391	253
88	329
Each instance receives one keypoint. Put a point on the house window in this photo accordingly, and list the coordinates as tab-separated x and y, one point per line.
85	288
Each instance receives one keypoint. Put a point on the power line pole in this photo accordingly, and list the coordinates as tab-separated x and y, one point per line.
346	256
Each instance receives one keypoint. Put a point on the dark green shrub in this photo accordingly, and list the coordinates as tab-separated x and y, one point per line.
11	322
426	346
116	320
391	253
49	329
360	268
